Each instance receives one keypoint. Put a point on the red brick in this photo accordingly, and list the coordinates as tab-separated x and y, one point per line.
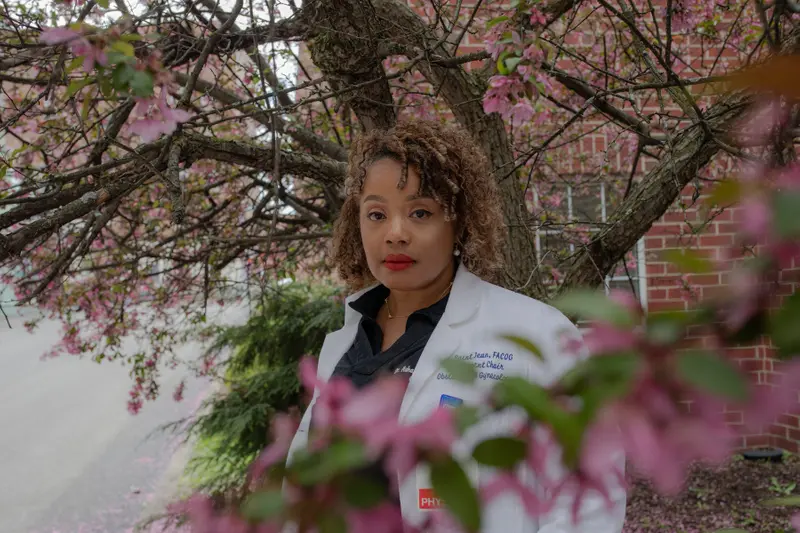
656	269
676	293
668	229
716	240
704	279
653	243
666	306
656	294
750	366
756	441
791	421
727	227
735	418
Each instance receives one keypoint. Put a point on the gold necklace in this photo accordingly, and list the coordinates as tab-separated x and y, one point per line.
389	311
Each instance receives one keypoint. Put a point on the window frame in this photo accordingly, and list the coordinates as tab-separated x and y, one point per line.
641	267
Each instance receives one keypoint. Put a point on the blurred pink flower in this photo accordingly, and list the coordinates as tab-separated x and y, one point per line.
435	433
769	402
53	36
283	430
385	518
537	18
161	119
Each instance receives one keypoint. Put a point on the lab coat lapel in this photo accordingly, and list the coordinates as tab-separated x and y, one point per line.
445	341
337	342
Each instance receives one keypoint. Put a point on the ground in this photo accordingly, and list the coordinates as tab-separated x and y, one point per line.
727	496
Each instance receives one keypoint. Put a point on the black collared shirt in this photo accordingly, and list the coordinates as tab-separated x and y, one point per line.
364	362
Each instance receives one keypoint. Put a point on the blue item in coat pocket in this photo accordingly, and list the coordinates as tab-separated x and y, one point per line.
449	401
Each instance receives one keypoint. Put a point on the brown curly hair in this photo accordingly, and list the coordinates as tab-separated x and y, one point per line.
453	171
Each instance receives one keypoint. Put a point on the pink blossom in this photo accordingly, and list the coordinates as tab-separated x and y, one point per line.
437	433
607	339
760	123
385	517
521	112
372	413
537	18
179	390
796	522
757	217
769	402
283	429
53	36
161	119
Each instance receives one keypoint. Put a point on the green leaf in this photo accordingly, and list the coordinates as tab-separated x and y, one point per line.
460	370
332	523
141	83
103	3
130	37
262	505
123	47
466	416
525	344
77	85
75	63
122	76
786	208
337	458
495	21
688	261
451	484
594	305
105	87
713	374
511	63
788	501
784	327
501	63
115	58
727	192
87	105
501	452
539	405
362	492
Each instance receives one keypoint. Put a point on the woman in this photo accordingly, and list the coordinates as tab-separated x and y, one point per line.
420	233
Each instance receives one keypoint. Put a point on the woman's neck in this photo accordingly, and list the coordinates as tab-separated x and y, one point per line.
404	303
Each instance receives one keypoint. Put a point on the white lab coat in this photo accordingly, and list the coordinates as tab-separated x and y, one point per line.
477	313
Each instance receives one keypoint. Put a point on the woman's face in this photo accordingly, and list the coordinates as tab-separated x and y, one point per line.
407	241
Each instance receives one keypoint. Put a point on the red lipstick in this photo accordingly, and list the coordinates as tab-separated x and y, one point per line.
397	262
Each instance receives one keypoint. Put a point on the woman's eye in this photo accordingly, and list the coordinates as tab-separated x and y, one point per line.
421	213
375	215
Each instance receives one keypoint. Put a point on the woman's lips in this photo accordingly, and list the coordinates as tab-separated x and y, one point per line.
398	265
398	262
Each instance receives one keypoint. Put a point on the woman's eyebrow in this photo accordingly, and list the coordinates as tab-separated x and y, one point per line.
373	197
418	196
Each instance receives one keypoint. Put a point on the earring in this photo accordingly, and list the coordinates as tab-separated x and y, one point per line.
456	252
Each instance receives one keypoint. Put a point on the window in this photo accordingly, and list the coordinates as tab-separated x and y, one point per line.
568	216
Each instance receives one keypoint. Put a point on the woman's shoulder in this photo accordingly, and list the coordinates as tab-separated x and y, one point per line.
516	307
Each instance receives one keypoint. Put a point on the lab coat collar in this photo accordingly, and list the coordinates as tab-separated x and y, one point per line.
463	302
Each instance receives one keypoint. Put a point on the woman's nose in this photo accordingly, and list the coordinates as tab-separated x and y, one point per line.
398	231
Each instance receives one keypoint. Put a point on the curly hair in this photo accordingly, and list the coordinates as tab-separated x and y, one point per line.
453	171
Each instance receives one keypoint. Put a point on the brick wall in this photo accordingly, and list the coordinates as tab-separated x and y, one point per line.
665	291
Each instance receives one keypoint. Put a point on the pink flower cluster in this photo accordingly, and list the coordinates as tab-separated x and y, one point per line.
660	436
157	117
78	45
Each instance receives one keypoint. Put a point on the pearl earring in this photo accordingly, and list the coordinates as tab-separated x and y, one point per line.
456	252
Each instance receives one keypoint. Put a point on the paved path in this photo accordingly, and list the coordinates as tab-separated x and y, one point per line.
72	459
